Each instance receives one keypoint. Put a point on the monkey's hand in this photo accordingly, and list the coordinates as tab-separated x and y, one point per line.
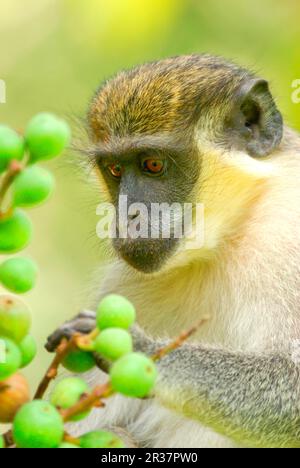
83	323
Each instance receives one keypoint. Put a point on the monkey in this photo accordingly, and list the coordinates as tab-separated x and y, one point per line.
199	128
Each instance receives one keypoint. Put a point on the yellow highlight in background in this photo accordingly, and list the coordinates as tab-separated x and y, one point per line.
117	21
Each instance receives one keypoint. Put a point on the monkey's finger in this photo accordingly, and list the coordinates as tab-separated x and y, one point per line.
84	323
55	339
86	314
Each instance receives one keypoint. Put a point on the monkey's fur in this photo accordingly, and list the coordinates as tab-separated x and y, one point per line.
235	384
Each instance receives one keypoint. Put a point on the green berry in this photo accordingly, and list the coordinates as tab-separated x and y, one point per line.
68	392
2	443
18	274
11	146
113	343
10	358
115	311
133	375
101	439
28	350
15	317
15	232
38	425
66	445
33	186
79	361
46	136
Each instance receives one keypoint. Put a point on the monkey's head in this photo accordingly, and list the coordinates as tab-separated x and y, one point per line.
191	129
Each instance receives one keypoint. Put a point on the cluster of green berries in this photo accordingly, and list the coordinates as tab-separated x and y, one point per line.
132	374
39	424
23	184
45	137
17	350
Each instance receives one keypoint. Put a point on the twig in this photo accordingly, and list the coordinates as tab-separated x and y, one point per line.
78	340
14	169
85	342
62	350
89	401
71	440
178	341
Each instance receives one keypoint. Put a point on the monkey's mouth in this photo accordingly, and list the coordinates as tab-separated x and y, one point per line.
145	255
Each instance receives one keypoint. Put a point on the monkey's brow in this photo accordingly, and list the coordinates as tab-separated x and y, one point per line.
137	144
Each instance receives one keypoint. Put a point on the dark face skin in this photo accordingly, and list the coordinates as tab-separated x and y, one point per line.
149	174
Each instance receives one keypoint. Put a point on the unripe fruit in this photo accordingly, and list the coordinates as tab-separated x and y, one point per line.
14	393
79	361
46	136
38	425
10	358
101	439
11	146
67	393
67	445
15	232
15	317
115	311
2	443
113	343
133	375
32	186
28	350
18	274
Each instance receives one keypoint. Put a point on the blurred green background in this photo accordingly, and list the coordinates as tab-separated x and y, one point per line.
54	53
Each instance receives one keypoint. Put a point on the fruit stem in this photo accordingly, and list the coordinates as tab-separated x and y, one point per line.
76	341
85	342
62	350
179	340
71	440
14	169
89	401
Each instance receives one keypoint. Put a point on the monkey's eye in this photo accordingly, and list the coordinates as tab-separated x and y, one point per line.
116	170
153	166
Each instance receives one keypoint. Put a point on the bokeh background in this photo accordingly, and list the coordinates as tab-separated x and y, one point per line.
53	55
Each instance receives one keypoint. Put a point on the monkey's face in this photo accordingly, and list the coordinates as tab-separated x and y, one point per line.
180	131
145	185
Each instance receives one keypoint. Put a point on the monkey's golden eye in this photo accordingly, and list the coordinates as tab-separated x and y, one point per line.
115	170
153	166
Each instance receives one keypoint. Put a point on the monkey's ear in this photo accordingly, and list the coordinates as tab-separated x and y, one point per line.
256	121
